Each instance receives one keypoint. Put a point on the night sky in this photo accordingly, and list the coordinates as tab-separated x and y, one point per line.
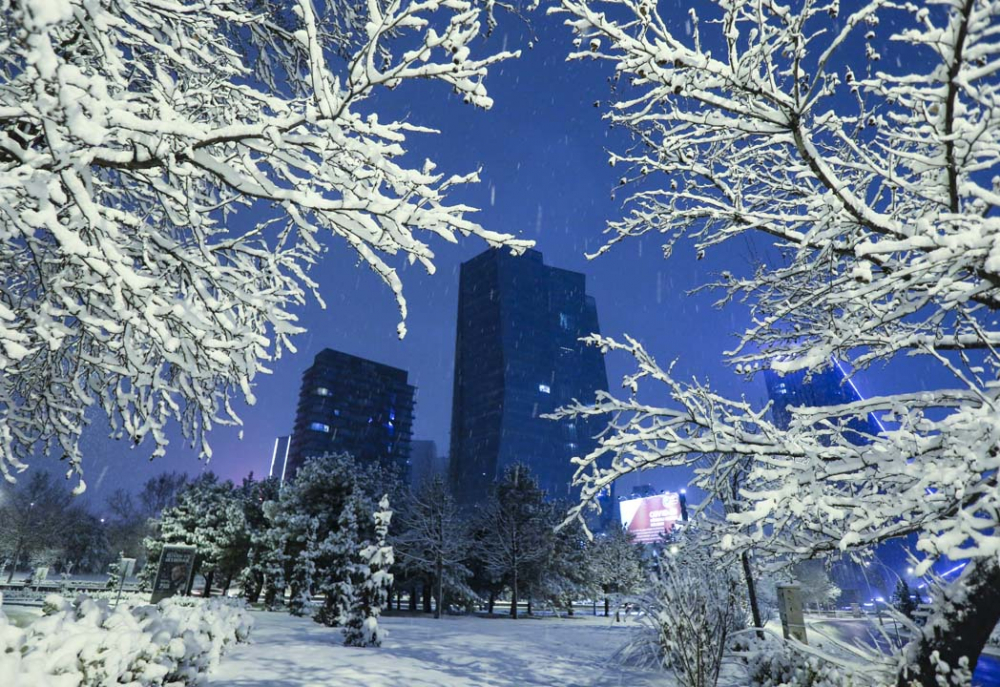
545	177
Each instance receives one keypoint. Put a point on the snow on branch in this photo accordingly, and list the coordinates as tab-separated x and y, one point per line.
170	174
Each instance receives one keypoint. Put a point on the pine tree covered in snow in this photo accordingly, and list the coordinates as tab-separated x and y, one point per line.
372	588
312	536
878	184
204	517
162	206
252	497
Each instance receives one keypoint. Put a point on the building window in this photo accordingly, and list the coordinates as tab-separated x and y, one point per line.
322	391
319	427
545	388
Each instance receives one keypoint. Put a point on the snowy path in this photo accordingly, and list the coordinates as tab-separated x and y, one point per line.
422	652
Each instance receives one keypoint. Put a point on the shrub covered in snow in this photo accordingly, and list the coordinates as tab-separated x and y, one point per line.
86	643
690	612
773	662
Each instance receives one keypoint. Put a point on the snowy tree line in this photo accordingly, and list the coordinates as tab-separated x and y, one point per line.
307	542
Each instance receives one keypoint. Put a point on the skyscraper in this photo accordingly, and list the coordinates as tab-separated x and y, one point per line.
425	463
518	356
830	387
353	405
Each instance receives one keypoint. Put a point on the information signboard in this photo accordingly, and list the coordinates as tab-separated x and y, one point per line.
173	575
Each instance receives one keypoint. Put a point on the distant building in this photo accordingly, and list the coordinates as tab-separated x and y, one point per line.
279	458
352	405
518	356
827	388
425	463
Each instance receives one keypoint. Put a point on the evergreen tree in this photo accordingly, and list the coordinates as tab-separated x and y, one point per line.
253	495
310	542
372	592
203	517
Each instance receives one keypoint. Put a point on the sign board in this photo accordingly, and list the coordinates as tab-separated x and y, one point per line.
174	573
126	567
40	574
651	517
793	622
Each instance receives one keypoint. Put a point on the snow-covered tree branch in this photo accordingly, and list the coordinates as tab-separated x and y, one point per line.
878	186
168	175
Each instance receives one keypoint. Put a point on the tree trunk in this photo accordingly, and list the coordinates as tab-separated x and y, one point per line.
513	598
529	604
969	619
413	597
491	602
425	591
225	585
751	591
439	588
258	585
17	559
607	606
209	579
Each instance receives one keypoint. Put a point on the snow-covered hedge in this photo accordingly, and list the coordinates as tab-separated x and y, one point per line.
86	643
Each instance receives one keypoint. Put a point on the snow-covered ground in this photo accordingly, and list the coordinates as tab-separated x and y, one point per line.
423	652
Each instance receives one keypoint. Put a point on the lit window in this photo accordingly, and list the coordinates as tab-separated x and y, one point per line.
545	388
392	414
322	391
564	320
336	412
319	427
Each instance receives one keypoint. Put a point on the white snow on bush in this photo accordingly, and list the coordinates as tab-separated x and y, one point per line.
87	643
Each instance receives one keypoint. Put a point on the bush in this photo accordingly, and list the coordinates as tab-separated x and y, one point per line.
772	662
85	643
690	614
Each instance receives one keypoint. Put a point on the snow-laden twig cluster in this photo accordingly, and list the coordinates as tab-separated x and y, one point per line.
86	643
169	172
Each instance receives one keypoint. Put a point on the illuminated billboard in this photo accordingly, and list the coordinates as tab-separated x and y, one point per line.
648	518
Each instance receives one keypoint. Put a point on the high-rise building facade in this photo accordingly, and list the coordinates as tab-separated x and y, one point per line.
352	405
831	387
517	357
425	463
